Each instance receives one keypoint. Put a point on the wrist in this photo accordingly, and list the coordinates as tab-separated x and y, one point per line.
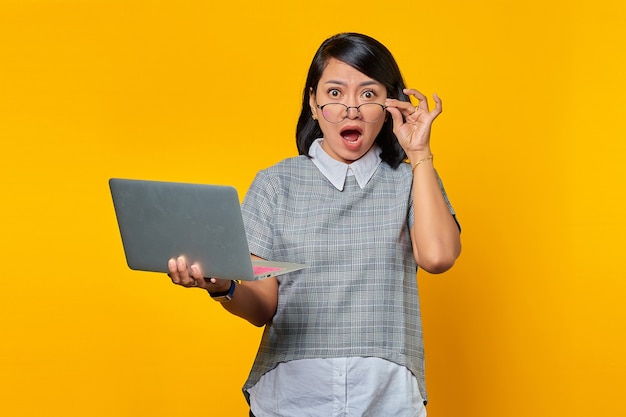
415	164
415	156
225	296
217	287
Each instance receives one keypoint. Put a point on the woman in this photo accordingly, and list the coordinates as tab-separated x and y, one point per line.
344	336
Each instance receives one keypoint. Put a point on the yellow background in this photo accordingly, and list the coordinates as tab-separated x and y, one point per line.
531	321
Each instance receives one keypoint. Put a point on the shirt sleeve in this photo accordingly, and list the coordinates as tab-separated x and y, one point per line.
257	209
445	196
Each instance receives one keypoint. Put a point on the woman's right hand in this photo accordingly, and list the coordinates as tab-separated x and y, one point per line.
190	276
254	301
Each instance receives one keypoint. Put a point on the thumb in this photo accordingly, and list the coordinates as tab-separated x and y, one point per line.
397	118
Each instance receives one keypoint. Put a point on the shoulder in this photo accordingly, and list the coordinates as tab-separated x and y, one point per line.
288	170
284	175
288	166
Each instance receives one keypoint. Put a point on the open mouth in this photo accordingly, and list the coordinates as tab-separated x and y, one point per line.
351	134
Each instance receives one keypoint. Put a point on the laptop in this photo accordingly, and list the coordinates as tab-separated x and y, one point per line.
162	220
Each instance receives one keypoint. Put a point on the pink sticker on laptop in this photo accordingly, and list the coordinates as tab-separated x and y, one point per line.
259	269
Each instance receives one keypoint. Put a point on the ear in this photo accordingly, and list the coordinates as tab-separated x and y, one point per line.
312	103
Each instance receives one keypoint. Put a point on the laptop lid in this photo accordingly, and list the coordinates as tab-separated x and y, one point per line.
161	220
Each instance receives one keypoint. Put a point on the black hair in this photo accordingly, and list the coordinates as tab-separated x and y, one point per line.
373	59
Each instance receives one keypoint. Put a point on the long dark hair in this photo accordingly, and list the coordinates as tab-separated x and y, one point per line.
373	59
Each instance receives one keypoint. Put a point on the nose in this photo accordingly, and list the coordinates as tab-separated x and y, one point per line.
355	114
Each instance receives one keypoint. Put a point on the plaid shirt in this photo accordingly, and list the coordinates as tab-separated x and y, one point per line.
358	297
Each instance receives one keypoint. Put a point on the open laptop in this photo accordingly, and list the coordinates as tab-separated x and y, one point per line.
162	220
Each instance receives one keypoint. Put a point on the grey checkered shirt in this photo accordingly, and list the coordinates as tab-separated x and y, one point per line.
358	296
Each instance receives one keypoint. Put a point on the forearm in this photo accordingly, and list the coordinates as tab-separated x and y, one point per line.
254	301
435	234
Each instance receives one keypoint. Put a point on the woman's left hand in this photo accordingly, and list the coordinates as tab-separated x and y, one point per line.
412	124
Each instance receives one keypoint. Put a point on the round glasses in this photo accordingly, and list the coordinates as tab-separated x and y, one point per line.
337	112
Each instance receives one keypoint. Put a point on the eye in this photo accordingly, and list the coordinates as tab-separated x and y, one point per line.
334	93
368	95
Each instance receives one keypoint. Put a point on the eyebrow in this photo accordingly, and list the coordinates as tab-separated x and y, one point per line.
363	84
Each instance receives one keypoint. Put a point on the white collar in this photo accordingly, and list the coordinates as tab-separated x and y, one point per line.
336	172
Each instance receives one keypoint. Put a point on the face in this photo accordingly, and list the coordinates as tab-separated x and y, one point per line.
351	138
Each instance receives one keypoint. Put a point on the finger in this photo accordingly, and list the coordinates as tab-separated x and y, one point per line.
400	130
421	98
438	105
396	116
196	274
423	101
173	271
183	273
217	285
405	107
